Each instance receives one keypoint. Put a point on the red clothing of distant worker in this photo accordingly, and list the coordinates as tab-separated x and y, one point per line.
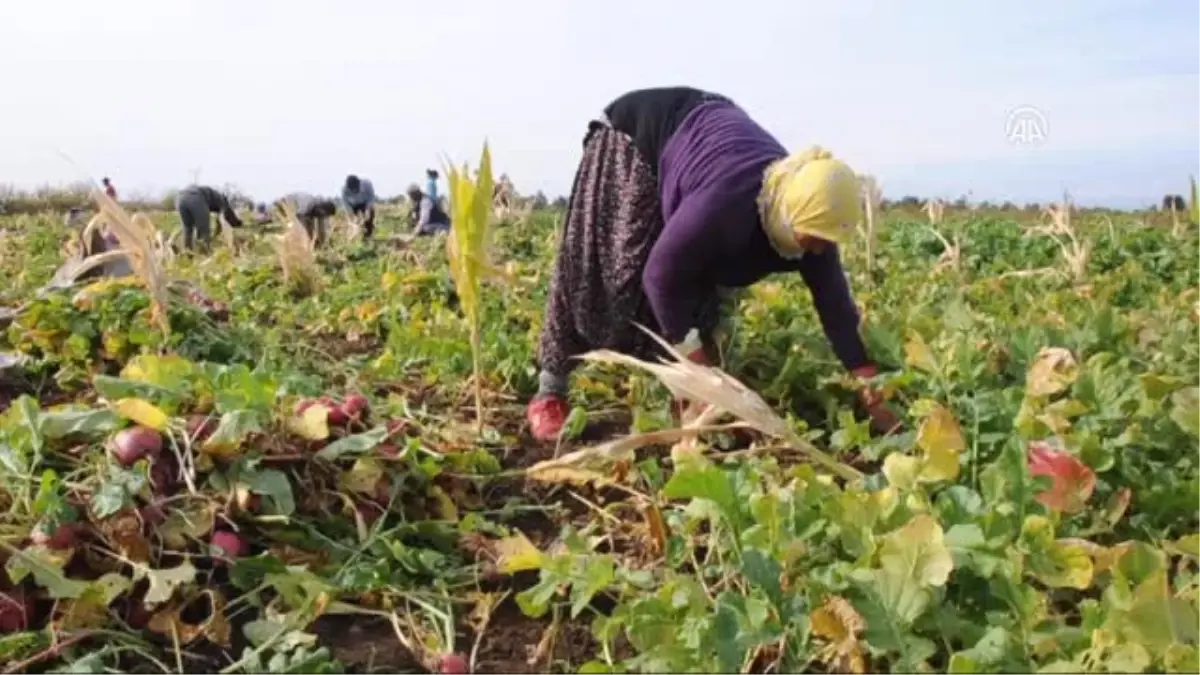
109	189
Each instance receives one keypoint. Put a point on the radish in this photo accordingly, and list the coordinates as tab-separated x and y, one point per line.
226	545
454	664
164	474
134	443
200	427
356	405
152	514
63	537
388	450
303	405
369	512
14	611
337	416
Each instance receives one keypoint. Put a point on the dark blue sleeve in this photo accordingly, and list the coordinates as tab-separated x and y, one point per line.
835	306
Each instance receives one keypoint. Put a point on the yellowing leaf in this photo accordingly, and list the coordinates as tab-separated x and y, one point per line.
1185	409
942	440
918	355
446	508
90	609
901	470
517	554
142	412
919	548
388	281
192	521
838	624
163	582
363	476
1062	563
169	621
1052	371
313	424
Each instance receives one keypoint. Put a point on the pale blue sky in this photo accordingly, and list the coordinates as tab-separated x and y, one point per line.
282	95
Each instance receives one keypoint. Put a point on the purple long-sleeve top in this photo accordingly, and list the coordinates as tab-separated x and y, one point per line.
711	172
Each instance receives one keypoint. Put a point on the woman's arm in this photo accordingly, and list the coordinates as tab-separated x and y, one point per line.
835	306
673	279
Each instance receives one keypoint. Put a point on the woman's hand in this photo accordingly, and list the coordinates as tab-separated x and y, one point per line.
680	405
884	420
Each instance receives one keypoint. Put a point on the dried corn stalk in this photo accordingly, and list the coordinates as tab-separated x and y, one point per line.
951	252
297	258
936	210
352	225
1075	250
137	237
715	388
467	249
872	197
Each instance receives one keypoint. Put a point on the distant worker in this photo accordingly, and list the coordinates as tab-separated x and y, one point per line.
261	215
313	213
428	216
196	205
431	184
108	188
358	198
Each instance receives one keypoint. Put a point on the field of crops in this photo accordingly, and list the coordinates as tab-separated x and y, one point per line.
292	475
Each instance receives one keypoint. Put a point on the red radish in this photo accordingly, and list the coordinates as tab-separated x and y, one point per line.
14	611
387	450
454	664
136	615
226	545
303	405
152	514
62	537
355	405
369	512
337	416
164	474
200	427
134	443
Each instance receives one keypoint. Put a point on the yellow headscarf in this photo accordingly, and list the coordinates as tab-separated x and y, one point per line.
809	192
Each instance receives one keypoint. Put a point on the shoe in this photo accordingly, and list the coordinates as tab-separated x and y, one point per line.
547	413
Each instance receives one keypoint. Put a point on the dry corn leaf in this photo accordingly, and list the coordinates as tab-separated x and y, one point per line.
714	387
581	466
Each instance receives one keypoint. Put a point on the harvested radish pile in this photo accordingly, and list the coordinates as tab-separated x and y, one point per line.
336	476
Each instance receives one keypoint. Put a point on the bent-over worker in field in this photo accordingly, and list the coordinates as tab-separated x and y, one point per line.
358	197
196	205
427	215
680	195
108	188
313	213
